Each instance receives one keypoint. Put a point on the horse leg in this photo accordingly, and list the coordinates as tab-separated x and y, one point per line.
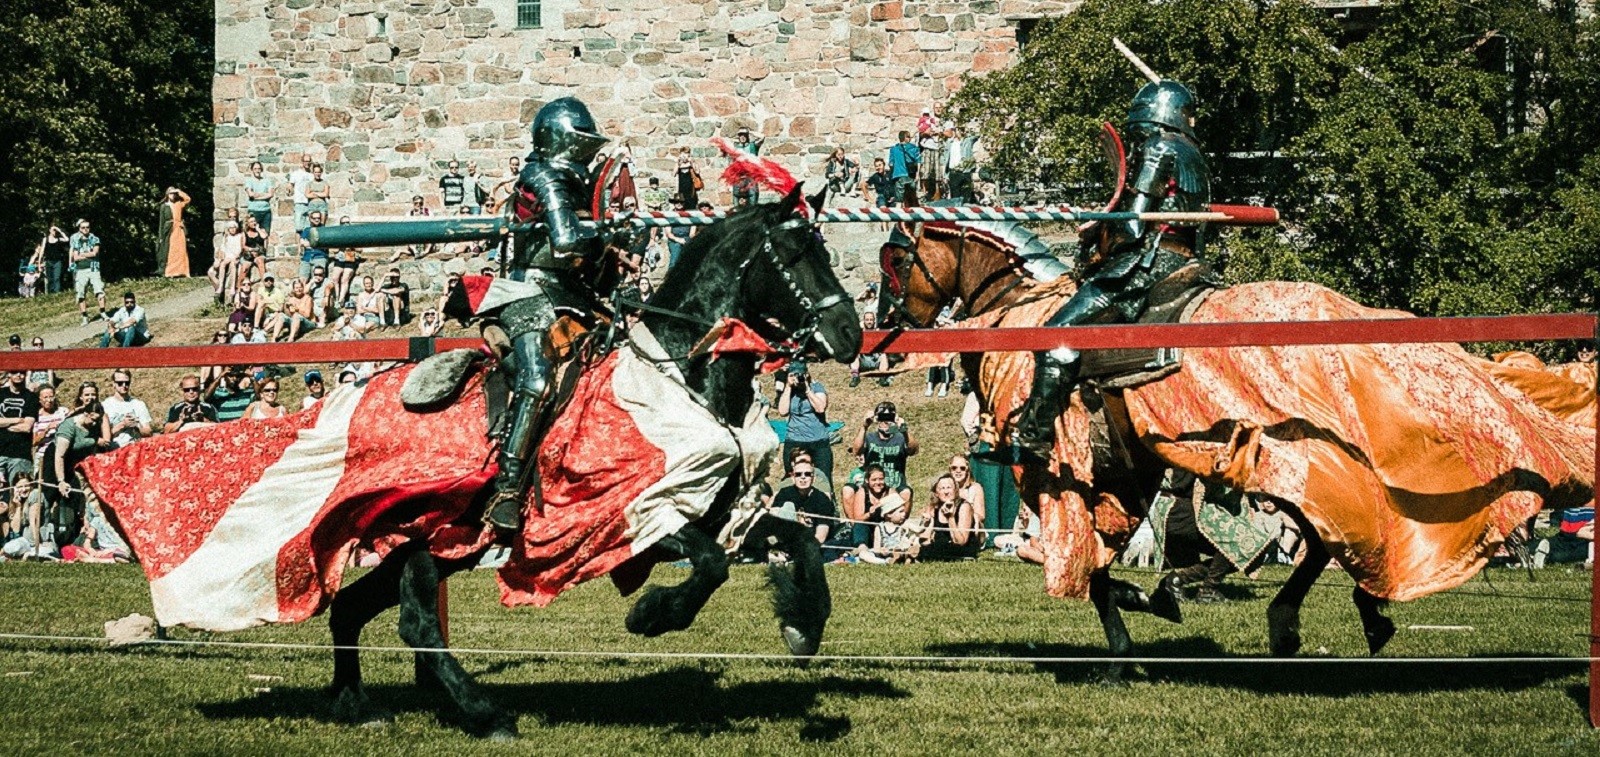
420	628
1283	615
1108	595
352	609
673	608
1374	625
800	596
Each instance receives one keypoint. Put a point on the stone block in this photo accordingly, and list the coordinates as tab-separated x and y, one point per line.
667	89
868	44
489	74
350	96
484	110
649	58
378	52
229	131
715	106
803	126
986	62
433	118
475	15
266	86
423	74
453	73
934	24
228	87
224	112
888	11
374	74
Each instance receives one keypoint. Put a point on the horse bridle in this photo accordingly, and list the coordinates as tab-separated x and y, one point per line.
968	308
813	308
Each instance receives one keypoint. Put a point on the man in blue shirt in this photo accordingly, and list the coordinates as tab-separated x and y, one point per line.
804	401
85	257
903	160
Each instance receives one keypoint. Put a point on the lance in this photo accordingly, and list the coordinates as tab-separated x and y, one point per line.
398	233
1144	68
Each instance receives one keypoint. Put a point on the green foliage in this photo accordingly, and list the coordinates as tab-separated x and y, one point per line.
104	104
1404	178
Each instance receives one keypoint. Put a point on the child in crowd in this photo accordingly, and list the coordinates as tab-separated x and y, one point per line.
23	506
1023	541
894	540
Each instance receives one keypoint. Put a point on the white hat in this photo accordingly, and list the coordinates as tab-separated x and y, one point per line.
947	126
927	111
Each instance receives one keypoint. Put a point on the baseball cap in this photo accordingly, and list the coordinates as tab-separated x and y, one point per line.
312	376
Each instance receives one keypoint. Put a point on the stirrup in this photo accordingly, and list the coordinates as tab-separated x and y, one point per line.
1034	435
504	512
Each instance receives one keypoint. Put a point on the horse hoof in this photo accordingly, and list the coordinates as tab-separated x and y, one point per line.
1378	635
800	645
1283	631
502	735
351	706
1165	602
651	616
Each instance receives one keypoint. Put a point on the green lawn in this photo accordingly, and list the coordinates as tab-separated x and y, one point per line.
83	698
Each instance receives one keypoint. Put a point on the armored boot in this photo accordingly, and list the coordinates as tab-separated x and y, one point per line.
516	450
1055	374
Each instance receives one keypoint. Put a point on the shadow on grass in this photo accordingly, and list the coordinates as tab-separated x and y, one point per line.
687	700
1265	675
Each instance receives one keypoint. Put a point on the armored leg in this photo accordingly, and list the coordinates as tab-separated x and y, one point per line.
519	441
1055	374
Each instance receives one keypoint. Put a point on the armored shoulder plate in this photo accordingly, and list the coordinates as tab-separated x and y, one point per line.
1172	170
560	192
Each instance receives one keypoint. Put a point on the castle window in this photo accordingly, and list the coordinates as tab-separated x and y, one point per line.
529	14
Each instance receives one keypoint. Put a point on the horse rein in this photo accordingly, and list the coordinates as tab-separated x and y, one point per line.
968	308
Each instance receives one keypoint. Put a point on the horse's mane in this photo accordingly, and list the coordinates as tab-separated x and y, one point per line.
697	265
1026	250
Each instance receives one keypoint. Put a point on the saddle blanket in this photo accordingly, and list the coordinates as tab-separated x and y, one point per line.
254	521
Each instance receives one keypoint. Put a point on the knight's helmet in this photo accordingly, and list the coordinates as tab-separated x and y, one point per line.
564	132
1167	104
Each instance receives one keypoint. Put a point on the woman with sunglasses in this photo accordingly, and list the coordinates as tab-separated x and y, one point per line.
266	403
969	490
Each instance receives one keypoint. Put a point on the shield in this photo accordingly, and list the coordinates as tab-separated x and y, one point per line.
1117	167
604	181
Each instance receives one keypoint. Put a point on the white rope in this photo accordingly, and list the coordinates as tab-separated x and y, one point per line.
925	527
775	657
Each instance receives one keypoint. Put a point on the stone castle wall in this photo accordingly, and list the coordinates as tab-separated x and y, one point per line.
386	92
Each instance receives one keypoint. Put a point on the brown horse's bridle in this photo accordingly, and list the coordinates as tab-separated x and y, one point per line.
969	308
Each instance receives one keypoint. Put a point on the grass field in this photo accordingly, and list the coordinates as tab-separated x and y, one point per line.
80	697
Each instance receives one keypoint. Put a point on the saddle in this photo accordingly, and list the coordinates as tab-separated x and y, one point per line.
1172	300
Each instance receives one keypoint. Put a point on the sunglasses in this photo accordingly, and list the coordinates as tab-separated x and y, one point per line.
803	474
123	383
269	391
190	388
958	467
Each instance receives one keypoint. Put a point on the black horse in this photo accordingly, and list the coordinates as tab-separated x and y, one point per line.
766	266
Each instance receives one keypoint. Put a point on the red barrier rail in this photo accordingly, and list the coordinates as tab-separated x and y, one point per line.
1391	331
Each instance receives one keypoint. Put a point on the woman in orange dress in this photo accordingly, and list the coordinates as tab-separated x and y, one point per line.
172	238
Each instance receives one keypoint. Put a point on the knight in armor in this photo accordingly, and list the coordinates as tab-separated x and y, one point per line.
1170	176
562	256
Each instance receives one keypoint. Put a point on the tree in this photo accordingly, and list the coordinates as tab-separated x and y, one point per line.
102	106
1440	161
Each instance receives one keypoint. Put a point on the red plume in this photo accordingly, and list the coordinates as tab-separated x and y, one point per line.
765	172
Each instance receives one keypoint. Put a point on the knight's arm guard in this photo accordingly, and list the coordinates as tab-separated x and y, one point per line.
554	190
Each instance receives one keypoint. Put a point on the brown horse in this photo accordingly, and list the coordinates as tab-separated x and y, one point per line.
1408	464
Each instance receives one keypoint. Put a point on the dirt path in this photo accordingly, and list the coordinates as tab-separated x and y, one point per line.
182	305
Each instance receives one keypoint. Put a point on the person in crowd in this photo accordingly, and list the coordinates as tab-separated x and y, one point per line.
299	181
893	540
347	376
803	498
430	324
689	181
317	192
676	236
231	395
85	257
89	391
19	409
970	491
475	194
371	304
269	301
128	416
959	162
1023	541
172	239
397	298
299	310
311	255
885	439
342	275
349	325
653	196
1573	541
229	257
243	302
452	280
453	187
91	546
870	361
904	158
127	325
24	509
950	535
265	404
14	342
989	465
39	379
253	252
51	414
882	184
844	175
868	503
315	389
51	256
191	412
939	379
931	162
320	290
419	209
746	192
258	197
804	401
76	439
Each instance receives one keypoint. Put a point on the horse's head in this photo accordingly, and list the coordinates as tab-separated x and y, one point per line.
782	284
920	277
